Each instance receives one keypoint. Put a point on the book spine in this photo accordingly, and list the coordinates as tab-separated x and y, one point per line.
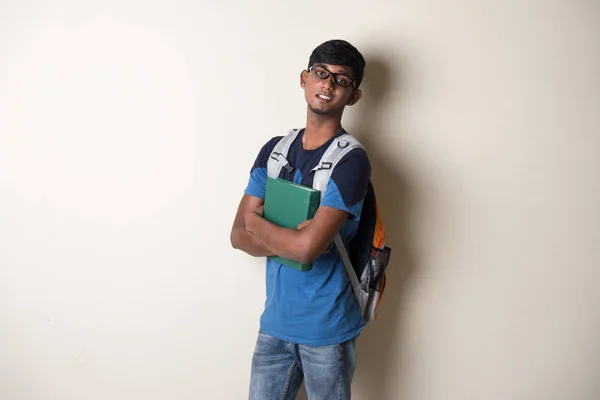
313	205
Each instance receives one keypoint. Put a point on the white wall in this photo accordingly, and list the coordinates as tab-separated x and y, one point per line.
126	137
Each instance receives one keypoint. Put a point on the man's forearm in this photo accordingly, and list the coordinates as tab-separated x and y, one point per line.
284	242
244	240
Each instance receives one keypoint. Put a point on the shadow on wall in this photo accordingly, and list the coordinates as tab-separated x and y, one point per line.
379	342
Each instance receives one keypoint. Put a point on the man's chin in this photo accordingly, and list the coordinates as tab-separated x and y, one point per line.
318	111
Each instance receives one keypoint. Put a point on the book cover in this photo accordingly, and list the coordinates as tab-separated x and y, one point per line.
288	204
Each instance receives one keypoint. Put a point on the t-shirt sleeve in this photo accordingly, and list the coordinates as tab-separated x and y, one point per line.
348	183
258	174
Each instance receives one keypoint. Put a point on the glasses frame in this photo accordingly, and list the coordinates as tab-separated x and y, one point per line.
333	76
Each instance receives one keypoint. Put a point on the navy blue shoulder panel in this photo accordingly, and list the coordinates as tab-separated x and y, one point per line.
351	176
258	174
264	153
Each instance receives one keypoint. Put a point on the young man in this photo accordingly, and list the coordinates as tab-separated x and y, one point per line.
311	318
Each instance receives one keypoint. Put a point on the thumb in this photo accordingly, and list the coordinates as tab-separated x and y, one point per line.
304	224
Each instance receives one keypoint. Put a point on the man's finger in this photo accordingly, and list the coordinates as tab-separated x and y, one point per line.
304	224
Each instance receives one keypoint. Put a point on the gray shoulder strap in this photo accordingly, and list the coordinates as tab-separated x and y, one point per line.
277	159
356	288
332	156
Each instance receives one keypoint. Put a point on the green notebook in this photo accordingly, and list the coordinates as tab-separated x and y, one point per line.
288	204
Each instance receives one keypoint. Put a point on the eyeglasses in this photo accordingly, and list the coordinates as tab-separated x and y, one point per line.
321	72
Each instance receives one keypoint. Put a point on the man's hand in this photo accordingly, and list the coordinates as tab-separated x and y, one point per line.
250	218
304	224
240	237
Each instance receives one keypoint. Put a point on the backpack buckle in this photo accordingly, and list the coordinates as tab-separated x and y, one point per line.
326	165
285	163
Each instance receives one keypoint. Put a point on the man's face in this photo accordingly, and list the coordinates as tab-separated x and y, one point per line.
323	96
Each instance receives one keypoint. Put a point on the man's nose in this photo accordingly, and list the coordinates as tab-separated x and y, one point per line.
329	82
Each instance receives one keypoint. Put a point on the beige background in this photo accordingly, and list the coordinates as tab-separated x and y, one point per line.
126	138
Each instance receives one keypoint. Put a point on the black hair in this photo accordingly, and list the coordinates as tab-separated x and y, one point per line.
340	52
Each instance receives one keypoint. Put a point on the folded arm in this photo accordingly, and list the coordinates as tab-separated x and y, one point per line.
303	245
240	237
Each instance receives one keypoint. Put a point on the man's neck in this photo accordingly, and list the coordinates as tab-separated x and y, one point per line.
319	129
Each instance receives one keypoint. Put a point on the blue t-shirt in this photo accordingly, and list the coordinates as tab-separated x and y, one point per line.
315	307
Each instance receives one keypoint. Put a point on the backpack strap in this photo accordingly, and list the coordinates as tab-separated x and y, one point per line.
332	156
277	159
356	288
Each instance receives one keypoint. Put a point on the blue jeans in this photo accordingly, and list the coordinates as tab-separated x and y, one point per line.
278	368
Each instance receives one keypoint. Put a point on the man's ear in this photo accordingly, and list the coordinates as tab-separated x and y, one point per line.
303	77
354	97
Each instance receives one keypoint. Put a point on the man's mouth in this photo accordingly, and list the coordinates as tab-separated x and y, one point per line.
324	97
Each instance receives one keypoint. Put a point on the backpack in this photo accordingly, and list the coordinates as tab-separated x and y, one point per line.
368	256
